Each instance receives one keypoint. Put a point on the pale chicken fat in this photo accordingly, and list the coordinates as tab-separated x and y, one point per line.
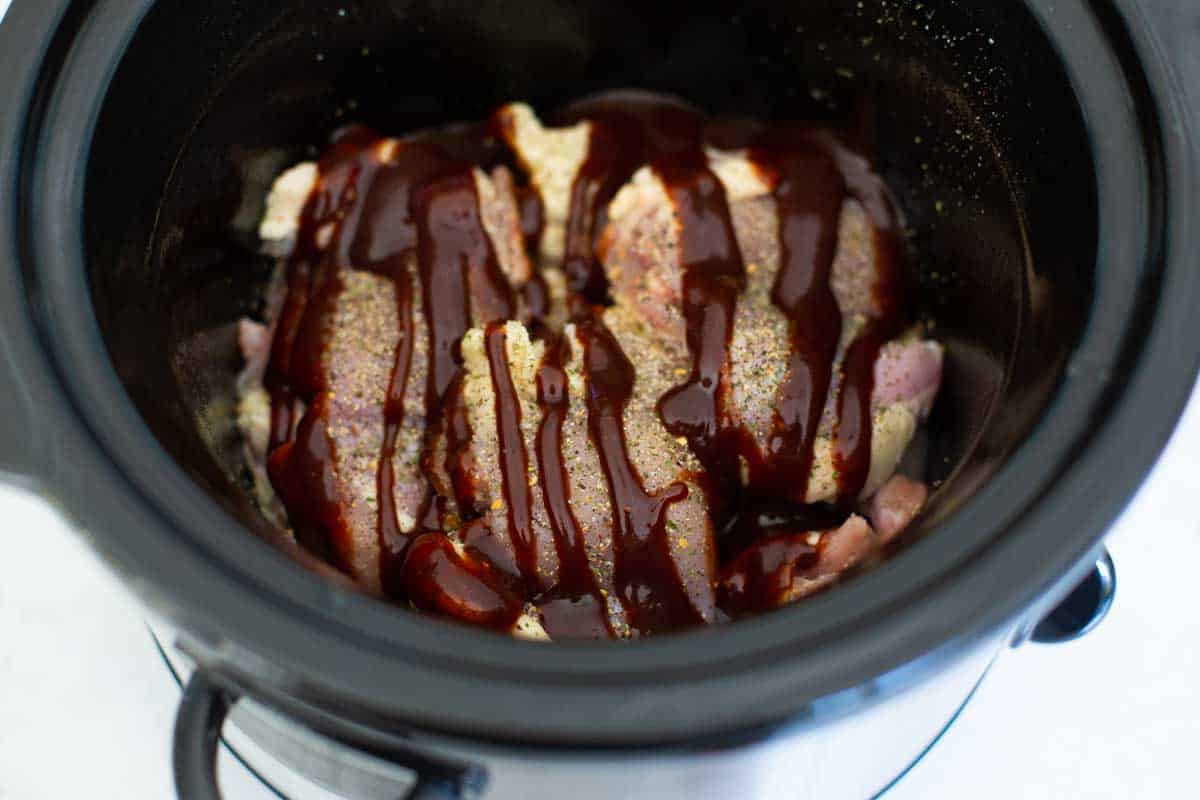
552	156
285	205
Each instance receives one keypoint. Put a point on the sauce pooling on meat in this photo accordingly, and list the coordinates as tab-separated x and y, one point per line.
811	173
575	605
378	206
301	462
514	461
647	577
410	211
629	129
713	277
808	192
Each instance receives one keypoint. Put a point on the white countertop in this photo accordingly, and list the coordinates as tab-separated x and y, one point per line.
86	706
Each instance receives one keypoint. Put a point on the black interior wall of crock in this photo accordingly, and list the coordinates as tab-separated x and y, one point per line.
977	129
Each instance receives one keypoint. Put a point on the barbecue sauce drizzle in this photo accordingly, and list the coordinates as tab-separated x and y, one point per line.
421	205
647	578
514	461
302	458
628	129
713	277
808	193
381	205
759	576
575	606
811	174
852	443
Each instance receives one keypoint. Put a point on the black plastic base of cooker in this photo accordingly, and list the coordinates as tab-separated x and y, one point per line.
277	792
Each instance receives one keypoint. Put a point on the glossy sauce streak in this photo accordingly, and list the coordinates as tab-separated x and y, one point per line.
514	461
385	236
600	176
713	277
535	294
628	130
303	455
646	576
852	438
283	403
457	266
812	173
410	211
302	471
808	191
457	432
377	206
532	218
440	579
309	271
574	607
759	577
392	540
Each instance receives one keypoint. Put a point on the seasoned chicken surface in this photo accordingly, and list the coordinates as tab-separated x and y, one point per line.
640	250
502	456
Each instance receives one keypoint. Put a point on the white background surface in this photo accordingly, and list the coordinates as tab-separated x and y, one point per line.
86	706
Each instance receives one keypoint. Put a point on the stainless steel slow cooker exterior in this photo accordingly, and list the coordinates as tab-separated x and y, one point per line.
825	759
318	677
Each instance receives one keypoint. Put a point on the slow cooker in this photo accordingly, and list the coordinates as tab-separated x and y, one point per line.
1043	153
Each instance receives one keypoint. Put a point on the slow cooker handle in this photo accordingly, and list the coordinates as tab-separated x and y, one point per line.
1082	609
198	723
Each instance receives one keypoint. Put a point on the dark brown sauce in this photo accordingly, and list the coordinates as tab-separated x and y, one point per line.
852	446
759	577
457	433
574	607
514	461
459	274
302	463
457	265
392	539
808	191
532	219
535	295
812	172
310	272
421	209
283	402
853	434
597	181
628	130
484	543
713	277
646	576
377	215
440	579
302	471
852	440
